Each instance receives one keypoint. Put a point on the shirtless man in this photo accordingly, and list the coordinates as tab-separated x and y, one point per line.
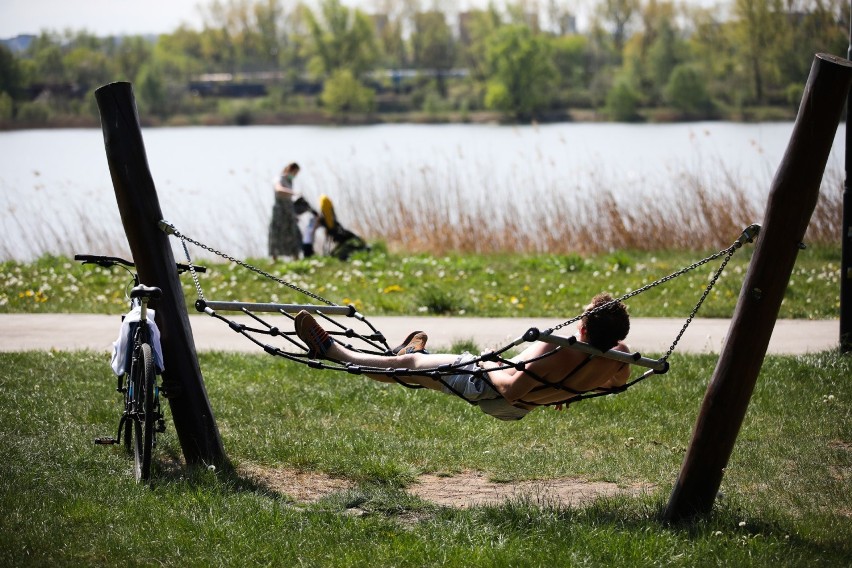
514	393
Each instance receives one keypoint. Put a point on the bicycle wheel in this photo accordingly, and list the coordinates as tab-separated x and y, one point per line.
143	423
126	424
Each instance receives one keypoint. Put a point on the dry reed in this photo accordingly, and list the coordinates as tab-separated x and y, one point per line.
700	215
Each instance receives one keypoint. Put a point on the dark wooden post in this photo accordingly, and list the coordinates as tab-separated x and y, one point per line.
155	264
792	199
846	229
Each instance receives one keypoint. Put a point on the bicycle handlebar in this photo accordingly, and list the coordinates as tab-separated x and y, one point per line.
110	261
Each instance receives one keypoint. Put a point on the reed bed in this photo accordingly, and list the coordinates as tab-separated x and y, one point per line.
699	214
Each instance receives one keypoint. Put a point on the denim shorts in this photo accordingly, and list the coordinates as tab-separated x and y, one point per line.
471	386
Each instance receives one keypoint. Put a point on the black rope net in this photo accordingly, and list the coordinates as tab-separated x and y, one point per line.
353	330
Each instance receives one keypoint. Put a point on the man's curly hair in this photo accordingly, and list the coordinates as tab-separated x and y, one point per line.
605	328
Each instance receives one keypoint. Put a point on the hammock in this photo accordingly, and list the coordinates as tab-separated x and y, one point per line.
368	339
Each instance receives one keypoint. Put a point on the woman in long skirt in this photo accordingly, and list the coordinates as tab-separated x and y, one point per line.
285	239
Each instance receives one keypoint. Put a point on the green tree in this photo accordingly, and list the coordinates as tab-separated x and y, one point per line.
87	67
47	58
340	38
7	106
687	91
571	57
622	101
129	55
664	54
522	73
433	46
821	28
11	73
616	16
181	54
475	31
755	32
343	93
711	48
150	89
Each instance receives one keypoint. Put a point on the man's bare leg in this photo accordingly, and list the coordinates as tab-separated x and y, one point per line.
321	344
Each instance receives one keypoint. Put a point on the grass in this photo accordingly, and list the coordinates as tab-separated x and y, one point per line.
382	283
66	502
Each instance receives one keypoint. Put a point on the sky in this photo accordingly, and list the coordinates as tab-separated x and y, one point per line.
140	17
113	17
100	17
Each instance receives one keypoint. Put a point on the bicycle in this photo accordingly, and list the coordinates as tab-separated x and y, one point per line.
142	417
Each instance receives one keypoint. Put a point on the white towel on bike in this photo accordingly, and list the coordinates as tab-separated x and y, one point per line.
119	347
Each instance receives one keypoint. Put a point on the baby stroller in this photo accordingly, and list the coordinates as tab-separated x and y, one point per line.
340	242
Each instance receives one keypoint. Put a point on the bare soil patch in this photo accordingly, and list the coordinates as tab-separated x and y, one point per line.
466	489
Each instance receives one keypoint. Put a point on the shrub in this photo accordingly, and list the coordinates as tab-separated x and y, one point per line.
622	102
343	92
7	106
687	90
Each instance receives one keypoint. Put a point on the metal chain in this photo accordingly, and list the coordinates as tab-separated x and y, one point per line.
192	270
688	321
747	236
638	291
169	228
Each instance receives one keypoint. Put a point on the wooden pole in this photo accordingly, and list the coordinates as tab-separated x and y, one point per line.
792	199
846	229
140	213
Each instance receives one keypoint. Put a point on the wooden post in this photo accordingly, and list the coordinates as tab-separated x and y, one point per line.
792	199
846	229
140	213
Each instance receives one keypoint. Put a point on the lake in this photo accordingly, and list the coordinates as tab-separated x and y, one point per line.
215	183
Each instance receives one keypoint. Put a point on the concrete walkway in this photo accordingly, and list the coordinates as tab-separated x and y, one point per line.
22	332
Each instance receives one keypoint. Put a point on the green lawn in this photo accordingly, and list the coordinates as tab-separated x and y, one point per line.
475	285
66	502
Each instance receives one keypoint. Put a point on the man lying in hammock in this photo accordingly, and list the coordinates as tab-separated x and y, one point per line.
505	393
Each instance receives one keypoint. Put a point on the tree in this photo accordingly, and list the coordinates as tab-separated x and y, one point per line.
130	55
46	54
687	91
712	50
343	93
340	38
616	16
476	29
151	90
757	24
571	56
433	46
11	73
622	101
87	67
522	73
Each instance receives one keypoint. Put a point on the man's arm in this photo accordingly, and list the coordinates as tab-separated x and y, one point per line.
512	384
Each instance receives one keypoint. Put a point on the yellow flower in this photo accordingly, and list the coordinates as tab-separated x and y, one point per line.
392	288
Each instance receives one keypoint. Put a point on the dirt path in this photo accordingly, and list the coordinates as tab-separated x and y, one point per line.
466	489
